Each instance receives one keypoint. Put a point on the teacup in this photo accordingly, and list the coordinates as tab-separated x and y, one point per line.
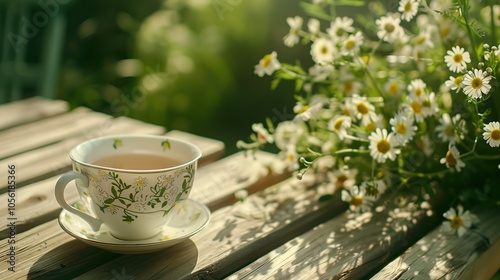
131	183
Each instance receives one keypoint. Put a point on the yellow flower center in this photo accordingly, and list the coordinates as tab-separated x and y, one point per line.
356	200
476	83
383	146
450	159
389	27
140	183
495	134
338	124
394	88
370	127
291	157
416	107
408	7
449	131
266	60
340	180
418	92
348	87
420	40
324	50
350	44
401	128
456	222
303	109
445	31
346	112
362	108
458	81
457	58
339	32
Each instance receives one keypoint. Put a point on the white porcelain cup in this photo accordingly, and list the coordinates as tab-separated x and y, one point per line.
134	203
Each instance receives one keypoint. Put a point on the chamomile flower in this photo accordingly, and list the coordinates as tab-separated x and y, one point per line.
323	50
492	134
263	135
340	29
415	107
452	159
321	72
350	87
340	124
287	133
417	88
374	188
394	86
313	25
408	9
476	83
422	41
357	199
451	130
267	65
352	44
344	178
454	83
291	158
363	109
292	38
458	221
383	145
457	59
403	128
389	28
429	104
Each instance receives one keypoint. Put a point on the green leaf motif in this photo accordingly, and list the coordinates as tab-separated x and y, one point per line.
165	145
117	143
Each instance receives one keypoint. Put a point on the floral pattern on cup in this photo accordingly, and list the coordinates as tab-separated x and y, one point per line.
125	199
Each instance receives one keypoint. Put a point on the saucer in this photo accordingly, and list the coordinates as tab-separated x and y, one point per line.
191	219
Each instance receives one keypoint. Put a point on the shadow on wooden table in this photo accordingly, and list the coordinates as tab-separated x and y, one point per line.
65	265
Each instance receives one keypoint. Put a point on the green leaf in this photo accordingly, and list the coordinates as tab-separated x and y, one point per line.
299	84
131	197
165	145
164	204
275	83
113	191
108	201
326	197
122	201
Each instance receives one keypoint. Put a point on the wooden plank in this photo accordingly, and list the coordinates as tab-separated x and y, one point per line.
36	203
53	159
34	135
30	109
57	257
438	255
236	235
348	246
212	149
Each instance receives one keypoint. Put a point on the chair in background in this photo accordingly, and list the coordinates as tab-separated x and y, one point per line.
31	33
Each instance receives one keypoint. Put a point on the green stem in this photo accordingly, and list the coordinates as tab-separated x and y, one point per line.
351	151
465	13
423	175
492	24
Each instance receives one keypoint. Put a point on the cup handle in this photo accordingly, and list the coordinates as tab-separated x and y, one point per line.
61	184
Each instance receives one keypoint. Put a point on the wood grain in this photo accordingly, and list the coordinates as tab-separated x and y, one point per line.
57	257
440	255
36	203
53	159
34	135
30	109
236	235
346	247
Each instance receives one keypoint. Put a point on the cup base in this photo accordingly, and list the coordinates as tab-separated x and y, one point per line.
127	238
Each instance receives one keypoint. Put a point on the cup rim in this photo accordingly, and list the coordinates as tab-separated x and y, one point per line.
139	171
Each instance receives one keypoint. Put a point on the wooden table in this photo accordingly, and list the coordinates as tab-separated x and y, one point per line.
281	230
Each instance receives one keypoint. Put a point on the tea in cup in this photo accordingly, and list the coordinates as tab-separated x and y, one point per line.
131	183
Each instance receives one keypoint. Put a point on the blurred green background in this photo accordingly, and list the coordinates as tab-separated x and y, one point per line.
186	65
